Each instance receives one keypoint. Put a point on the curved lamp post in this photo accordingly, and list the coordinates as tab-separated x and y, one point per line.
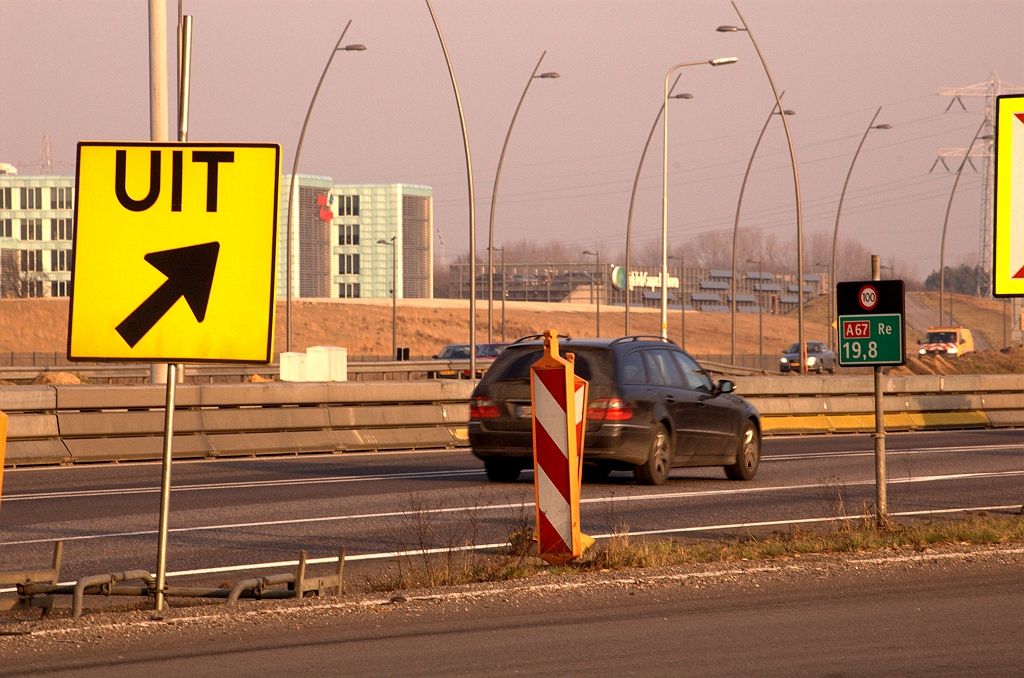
835	234
293	189
664	187
736	225
632	197
597	266
393	242
760	316
494	197
472	201
945	223
796	187
682	300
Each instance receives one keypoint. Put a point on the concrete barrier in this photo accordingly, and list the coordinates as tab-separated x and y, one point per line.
810	405
71	424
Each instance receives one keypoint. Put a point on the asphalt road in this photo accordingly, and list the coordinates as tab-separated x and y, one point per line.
945	614
231	515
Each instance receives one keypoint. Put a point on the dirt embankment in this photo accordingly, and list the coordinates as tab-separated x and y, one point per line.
1007	361
426	325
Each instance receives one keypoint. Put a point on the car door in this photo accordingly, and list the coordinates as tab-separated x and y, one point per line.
716	420
680	401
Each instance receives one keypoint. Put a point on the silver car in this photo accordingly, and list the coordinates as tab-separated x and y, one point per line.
819	358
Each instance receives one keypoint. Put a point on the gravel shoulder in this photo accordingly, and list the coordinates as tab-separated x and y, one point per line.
631	620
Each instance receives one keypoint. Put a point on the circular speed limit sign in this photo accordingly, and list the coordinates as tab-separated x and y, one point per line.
867	297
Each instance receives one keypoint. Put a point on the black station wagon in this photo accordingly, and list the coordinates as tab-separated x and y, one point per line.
652	407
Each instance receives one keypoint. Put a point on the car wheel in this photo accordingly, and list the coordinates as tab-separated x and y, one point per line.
748	456
832	370
595	473
659	459
502	470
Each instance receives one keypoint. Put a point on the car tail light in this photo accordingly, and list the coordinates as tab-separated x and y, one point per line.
483	408
609	409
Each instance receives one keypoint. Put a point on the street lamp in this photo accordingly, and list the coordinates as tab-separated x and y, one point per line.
828	295
472	197
945	223
760	316
796	188
293	190
597	267
494	198
394	292
835	234
632	197
736	225
664	185
503	291
682	302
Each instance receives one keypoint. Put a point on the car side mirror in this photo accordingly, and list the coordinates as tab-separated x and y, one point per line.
725	386
435	357
918	342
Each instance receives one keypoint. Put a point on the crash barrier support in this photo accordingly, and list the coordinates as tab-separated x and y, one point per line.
27	582
72	424
36	589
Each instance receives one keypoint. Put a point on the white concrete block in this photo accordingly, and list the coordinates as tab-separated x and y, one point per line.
327	363
293	366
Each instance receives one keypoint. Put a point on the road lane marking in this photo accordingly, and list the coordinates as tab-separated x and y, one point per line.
75	494
522	505
871	453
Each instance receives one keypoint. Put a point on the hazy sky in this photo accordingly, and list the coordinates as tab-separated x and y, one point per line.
79	70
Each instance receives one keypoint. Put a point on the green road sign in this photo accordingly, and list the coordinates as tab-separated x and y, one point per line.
875	339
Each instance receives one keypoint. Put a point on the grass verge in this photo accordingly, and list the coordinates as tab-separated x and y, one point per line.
624	552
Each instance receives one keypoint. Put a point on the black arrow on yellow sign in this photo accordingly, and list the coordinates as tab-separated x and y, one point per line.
189	272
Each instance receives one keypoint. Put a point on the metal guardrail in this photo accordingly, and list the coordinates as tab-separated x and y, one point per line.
212	373
73	424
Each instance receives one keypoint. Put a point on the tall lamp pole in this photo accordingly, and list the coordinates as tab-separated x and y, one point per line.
736	225
394	293
945	223
503	291
796	187
664	186
494	198
682	302
472	200
760	317
835	234
597	273
632	197
293	190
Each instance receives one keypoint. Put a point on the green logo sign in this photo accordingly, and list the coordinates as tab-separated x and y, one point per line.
875	339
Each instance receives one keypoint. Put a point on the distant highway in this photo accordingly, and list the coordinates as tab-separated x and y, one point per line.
233	514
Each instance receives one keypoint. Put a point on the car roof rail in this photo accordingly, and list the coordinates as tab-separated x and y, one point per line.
643	337
533	337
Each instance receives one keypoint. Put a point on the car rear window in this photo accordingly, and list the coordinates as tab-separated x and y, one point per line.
592	364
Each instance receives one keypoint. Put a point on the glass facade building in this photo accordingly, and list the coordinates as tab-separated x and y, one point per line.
36	228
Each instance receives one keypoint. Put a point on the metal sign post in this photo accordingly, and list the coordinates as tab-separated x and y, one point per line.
870	322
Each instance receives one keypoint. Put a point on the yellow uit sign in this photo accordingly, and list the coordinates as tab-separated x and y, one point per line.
175	248
1008	239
